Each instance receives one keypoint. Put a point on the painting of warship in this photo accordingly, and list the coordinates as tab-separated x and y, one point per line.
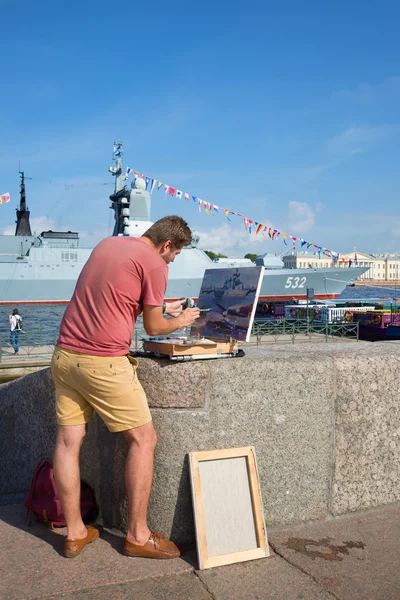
227	301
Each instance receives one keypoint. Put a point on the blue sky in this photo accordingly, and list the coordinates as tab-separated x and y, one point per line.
285	112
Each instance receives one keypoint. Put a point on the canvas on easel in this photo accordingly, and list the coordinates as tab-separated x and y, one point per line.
228	300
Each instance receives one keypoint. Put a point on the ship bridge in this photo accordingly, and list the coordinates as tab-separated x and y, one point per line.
59	239
269	261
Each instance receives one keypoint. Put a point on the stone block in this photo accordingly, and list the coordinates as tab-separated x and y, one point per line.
367	430
169	384
27	428
279	405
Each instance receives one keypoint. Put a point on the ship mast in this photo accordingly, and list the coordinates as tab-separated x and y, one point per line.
121	197
23	226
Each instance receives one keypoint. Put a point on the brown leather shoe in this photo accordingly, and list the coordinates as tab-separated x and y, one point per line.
74	546
155	547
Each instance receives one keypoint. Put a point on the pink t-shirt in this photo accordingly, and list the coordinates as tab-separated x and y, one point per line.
121	275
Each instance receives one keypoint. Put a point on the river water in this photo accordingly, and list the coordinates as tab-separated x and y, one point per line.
41	322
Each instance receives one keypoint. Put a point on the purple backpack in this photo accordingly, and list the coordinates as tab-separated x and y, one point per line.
43	500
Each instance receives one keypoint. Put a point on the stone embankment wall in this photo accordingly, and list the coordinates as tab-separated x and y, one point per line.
377	283
324	420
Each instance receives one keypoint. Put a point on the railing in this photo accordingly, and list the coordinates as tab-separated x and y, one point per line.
137	342
37	346
33	345
286	330
294	329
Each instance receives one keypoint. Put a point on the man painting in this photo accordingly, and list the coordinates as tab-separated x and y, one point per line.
93	371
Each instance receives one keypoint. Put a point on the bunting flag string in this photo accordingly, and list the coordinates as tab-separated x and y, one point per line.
249	224
67	186
4	198
128	172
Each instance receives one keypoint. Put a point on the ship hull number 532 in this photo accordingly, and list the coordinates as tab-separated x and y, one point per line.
295	282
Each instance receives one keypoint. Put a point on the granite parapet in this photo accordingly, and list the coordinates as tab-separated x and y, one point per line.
324	421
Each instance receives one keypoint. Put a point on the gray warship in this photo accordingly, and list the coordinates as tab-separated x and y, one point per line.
43	269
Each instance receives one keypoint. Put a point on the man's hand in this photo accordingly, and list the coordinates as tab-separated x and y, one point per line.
189	315
155	324
174	308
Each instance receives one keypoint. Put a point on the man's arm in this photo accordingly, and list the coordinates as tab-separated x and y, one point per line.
155	324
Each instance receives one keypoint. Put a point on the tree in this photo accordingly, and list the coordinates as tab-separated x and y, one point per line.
252	257
214	255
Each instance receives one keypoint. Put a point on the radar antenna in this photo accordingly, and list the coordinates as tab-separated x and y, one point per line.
121	197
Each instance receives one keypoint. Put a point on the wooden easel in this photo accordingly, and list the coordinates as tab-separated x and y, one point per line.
196	348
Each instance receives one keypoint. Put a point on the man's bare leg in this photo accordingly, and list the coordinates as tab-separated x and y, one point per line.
138	479
67	476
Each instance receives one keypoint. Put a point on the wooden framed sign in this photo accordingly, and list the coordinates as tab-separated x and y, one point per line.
227	507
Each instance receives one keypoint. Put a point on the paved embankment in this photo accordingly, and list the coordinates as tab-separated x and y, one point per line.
28	360
350	558
377	283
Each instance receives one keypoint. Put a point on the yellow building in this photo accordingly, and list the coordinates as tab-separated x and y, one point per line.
375	263
392	267
306	260
382	267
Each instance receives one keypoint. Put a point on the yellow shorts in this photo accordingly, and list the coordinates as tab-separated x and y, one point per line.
109	386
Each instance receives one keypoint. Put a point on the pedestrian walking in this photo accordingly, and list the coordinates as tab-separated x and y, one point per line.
15	322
